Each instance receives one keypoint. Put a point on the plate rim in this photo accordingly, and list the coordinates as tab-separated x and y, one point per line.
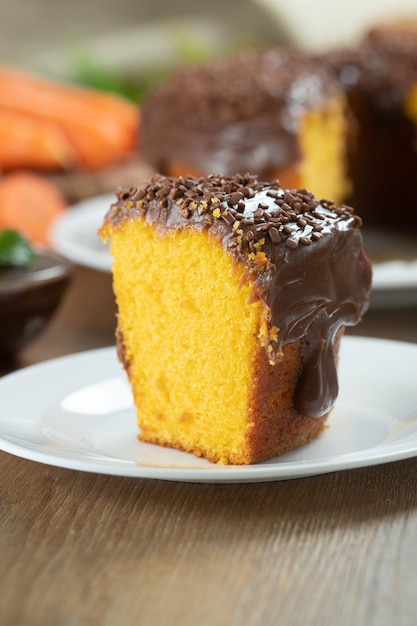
382	453
68	246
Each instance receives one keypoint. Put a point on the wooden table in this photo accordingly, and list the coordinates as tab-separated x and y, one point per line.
83	549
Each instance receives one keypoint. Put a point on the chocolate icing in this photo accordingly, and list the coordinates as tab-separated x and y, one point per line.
234	115
304	257
377	77
382	70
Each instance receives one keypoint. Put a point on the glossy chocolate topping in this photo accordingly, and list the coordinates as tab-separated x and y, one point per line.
234	115
304	257
382	69
377	77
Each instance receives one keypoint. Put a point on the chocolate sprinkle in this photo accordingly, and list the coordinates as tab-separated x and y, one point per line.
244	203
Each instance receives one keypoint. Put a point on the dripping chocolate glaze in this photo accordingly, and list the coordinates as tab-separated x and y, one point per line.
305	257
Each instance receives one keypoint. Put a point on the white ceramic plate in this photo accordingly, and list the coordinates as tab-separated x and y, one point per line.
77	412
74	235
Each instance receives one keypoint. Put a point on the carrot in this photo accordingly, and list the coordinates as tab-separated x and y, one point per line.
29	203
27	142
101	127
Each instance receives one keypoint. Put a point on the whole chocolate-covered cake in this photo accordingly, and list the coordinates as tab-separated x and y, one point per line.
342	123
278	114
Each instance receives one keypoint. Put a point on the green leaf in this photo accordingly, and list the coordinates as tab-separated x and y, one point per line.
15	249
91	73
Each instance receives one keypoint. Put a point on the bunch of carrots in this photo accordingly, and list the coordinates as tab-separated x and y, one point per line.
47	126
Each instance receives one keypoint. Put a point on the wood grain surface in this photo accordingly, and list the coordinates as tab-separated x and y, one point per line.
83	549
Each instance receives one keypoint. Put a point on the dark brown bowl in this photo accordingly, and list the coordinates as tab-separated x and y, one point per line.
28	300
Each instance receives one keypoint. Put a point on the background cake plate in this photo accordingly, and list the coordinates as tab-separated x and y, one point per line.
77	412
74	235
